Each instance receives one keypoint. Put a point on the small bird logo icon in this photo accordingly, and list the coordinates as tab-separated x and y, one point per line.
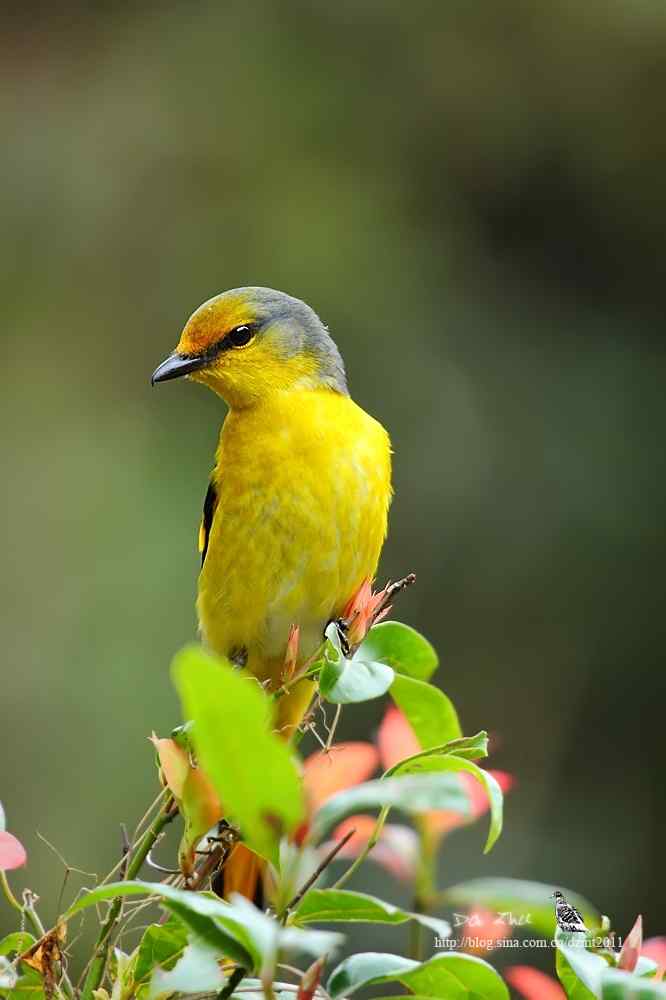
567	916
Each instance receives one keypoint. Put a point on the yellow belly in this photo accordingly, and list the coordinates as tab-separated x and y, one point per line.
303	484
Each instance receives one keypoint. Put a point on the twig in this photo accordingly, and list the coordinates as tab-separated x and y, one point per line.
8	894
144	819
393	589
318	871
234	979
68	868
135	836
97	965
125	851
334	726
29	900
358	861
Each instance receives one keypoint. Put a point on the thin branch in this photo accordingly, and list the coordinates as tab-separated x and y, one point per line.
334	726
393	589
7	892
97	965
318	871
125	851
135	836
146	816
358	861
29	900
234	979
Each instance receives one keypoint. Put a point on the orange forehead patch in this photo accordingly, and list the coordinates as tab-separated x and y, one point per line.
212	321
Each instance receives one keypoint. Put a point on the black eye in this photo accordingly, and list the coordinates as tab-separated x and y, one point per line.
241	335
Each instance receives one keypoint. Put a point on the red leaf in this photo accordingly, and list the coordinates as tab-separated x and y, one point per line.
396	739
478	800
310	980
631	948
397	849
441	821
532	984
328	772
12	852
361	612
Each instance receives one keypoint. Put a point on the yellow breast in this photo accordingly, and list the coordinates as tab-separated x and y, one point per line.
303	485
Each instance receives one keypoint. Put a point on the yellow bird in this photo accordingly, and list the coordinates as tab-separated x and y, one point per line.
296	510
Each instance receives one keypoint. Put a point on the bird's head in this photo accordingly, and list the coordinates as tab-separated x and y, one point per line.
249	343
557	894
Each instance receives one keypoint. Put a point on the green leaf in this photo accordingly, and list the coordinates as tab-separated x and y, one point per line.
251	768
16	943
442	759
351	681
617	985
457	976
269	937
412	793
161	945
196	971
454	977
578	969
429	712
28	984
366	969
469	747
24	982
201	913
235	929
332	905
402	648
530	902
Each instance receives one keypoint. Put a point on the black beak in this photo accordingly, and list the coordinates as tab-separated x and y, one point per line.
175	366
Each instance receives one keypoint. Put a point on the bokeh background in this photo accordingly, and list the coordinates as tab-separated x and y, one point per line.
473	196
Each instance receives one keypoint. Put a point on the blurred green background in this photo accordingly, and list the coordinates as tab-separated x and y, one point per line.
473	197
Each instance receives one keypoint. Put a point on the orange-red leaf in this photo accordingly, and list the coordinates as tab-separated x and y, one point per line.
328	772
361	612
174	763
291	654
192	789
532	984
397	849
310	980
395	738
442	821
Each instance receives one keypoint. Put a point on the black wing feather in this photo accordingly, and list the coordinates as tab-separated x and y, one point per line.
210	503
